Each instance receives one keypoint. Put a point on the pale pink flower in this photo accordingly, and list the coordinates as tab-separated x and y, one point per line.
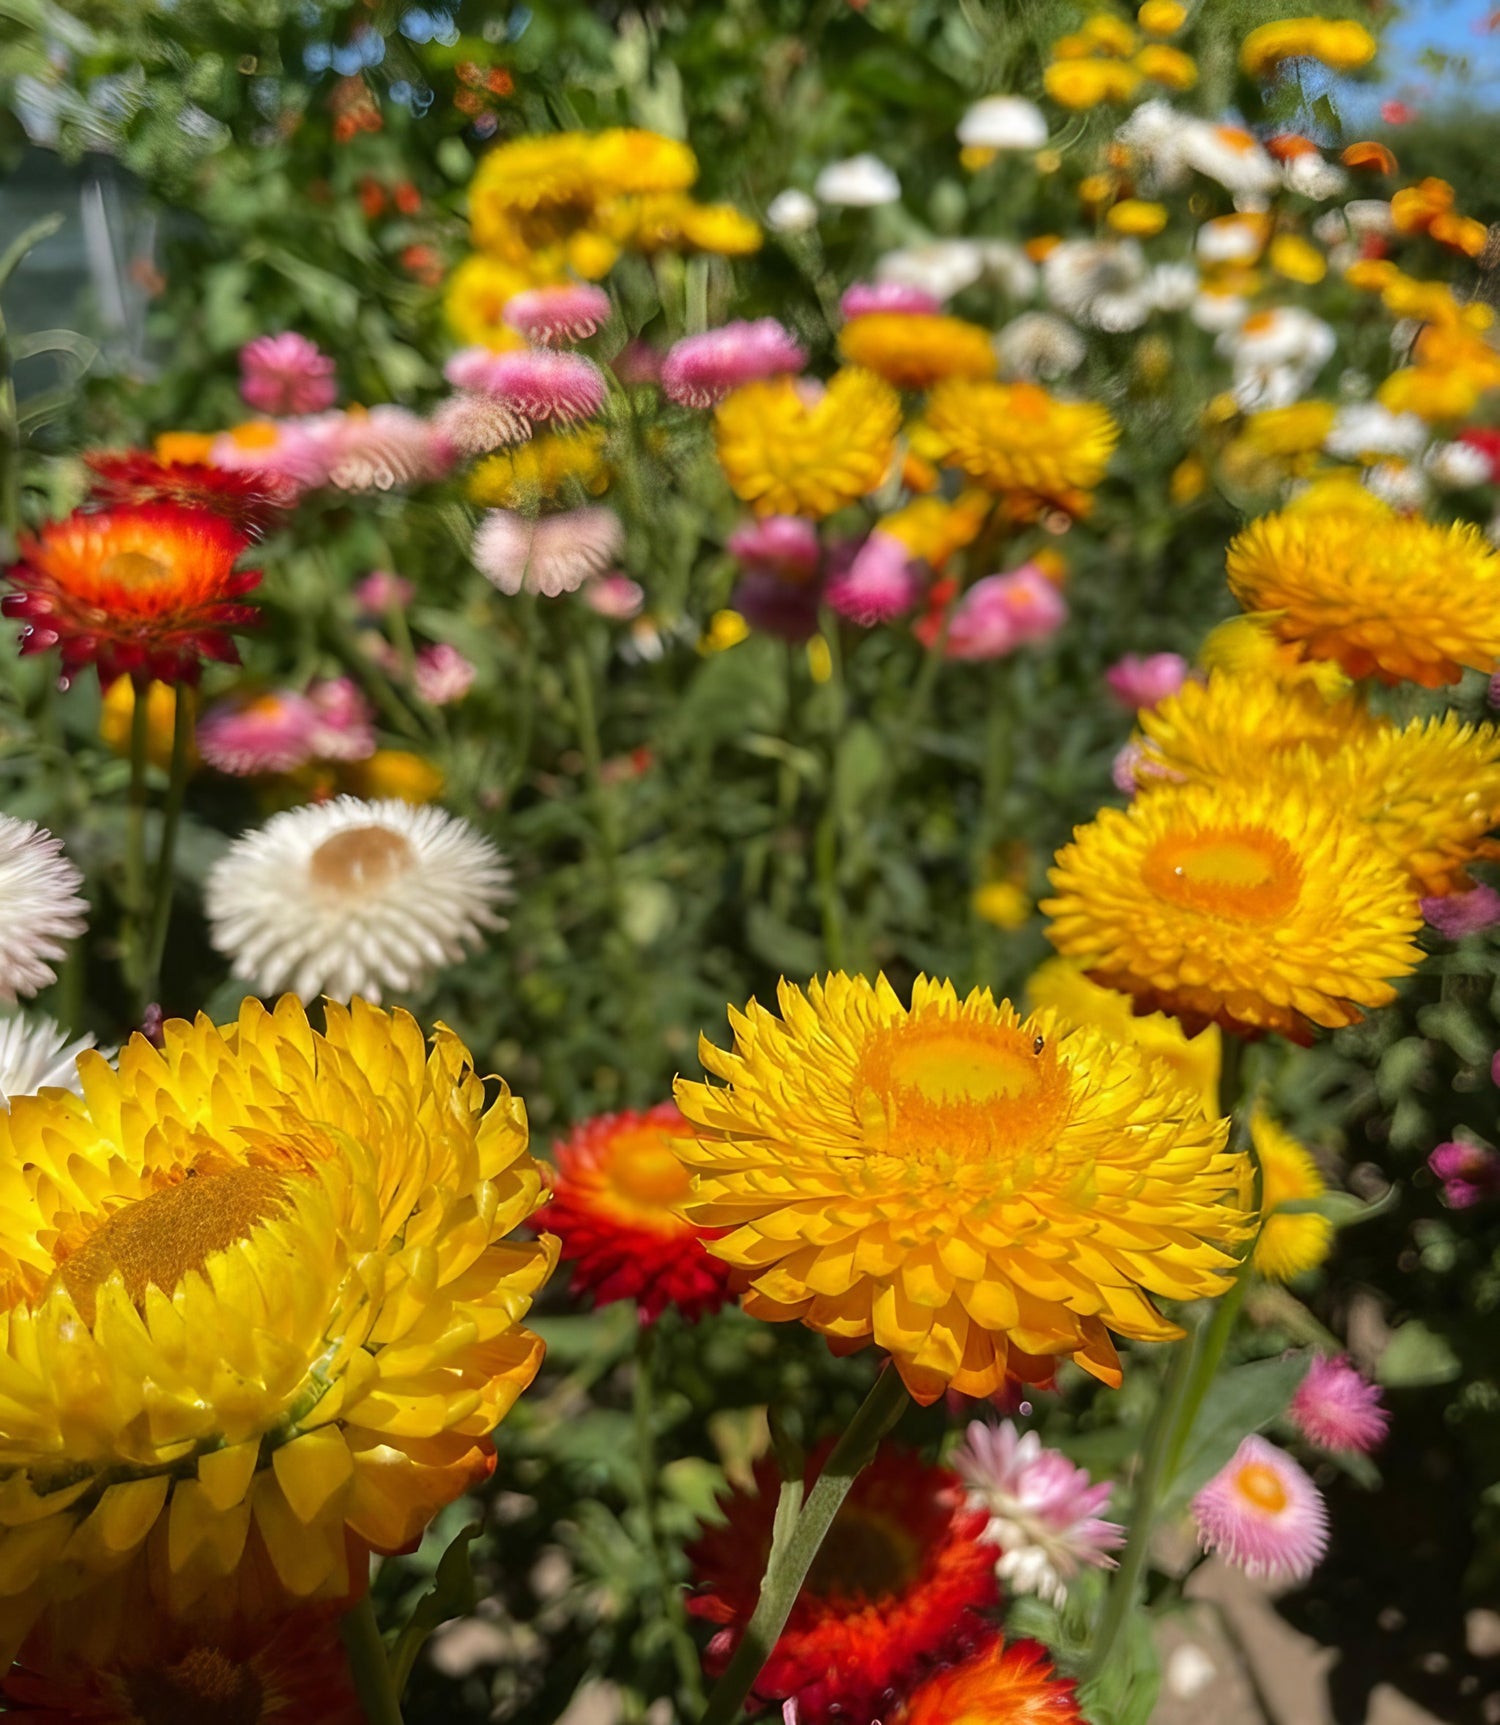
785	543
614	596
700	370
553	555
1138	682
442	675
381	591
879	584
380	448
472	423
551	315
1469	1172
865	297
343	727
638	362
1336	1408
542	386
282	374
270	734
1263	1514
1456	914
1044	1512
291	453
1002	612
1124	769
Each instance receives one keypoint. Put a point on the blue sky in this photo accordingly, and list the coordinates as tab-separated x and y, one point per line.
1452	27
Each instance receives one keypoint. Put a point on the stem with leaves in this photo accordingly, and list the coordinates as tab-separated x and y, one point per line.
133	934
368	1665
161	908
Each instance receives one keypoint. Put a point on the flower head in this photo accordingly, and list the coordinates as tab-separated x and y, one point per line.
249	501
1043	1512
863	298
1001	1684
1003	123
1290	1242
1137	681
791	212
786	544
269	733
1336	1408
380	449
541	386
148	592
552	465
35	1054
285	374
551	316
1038	345
472	422
442	675
1263	1514
553	555
292	453
880	582
353	898
382	590
947	1180
1341	44
282	1316
1015	437
700	370
1469	1173
1462	913
912	350
614	596
39	889
1002	612
1102	283
895	1591
861	182
615	1206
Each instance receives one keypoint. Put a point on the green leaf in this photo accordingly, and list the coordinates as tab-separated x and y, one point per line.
24	241
792	951
451	1595
1244	1399
860	770
1417	1356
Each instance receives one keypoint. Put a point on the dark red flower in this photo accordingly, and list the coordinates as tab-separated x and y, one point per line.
247	499
999	1685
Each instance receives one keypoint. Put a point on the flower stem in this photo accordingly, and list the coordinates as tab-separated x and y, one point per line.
790	1560
161	909
133	935
368	1665
582	677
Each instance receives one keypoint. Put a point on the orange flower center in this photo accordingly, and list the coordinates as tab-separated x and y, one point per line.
1262	1486
360	860
135	569
864	1556
207	1684
1244	874
644	1171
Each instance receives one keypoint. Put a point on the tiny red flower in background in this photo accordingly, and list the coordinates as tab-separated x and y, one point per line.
147	592
1000	1685
614	1200
248	500
898	1588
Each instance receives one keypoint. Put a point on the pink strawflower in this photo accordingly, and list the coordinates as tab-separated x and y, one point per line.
865	297
1336	1408
784	543
442	675
1002	612
282	374
290	452
700	370
553	555
1263	1514
343	727
552	315
1138	682
1044	1512
270	734
637	362
1469	1172
1125	769
472	423
879	584
381	591
542	386
379	448
1456	914
614	596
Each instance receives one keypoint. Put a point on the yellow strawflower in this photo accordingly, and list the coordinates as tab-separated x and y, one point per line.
117	715
1087	83
914	351
722	229
392	773
1166	65
1289	1244
1002	903
546	467
1137	217
1161	17
1341	44
1017	437
475	297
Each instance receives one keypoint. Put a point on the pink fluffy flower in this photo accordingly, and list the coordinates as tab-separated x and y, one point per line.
1469	1173
1460	913
381	591
1124	769
442	675
879	584
1263	1514
614	596
381	448
290	451
286	373
343	727
1138	682
865	297
542	386
784	543
1002	612
700	370
552	315
1044	1512
472	423
553	555
1336	1408
638	362
270	734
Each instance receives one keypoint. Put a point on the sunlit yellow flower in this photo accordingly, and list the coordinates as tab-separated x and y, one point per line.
722	229
1161	17
1188	482
977	1193
1002	903
547	466
526	173
725	629
1379	593
1016	437
1087	83
1279	433
392	773
1297	259
1339	43
914	351
1370	275
1104	33
1431	392
183	446
1136	216
475	298
1289	1243
259	1307
629	160
1250	646
932	528
1463	234
1166	65
1415	208
788	455
1256	905
117	713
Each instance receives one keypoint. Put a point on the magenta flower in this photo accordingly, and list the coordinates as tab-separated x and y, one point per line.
700	370
1002	612
786	544
381	591
1138	682
380	448
614	596
879	584
542	386
552	315
472	423
865	297
1336	1408
1469	1173
553	555
284	374
296	456
442	675
343	727
1456	914
1044	1512
1263	1514
270	734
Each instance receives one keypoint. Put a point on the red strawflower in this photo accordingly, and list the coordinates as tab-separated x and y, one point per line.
614	1199
146	592
999	1685
248	500
1486	439
898	1589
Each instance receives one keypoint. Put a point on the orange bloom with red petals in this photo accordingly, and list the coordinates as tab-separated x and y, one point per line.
248	500
999	1685
614	1207
899	1588
147	592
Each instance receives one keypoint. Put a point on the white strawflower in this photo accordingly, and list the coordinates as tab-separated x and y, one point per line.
943	268
1008	267
1173	286
859	183
1229	154
1039	345
1217	312
35	1054
1369	216
1364	431
1153	134
1226	240
1003	123
1103	283
791	212
1403	486
353	898
553	555
39	906
1310	176
1277	353
1457	466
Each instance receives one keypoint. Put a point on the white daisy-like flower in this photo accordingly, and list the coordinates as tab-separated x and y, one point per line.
1311	176
1369	216
39	906
1229	154
791	212
353	898
1007	267
35	1054
1173	286
860	183
1003	123
1038	344
1153	134
1229	240
1277	353
1457	466
1216	311
1366	431
1103	283
943	268
1404	487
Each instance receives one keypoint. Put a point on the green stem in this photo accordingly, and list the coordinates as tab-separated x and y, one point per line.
695	296
525	688
133	934
826	838
580	674
161	909
790	1560
368	1665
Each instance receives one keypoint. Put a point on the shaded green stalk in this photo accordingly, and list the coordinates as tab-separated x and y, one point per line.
525	689
791	1557
580	674
133	935
826	838
161	909
368	1665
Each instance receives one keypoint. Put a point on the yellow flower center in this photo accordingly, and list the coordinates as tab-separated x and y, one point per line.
864	1556
255	434
1245	874
360	859
645	1172
154	1242
134	569
1262	1486
207	1684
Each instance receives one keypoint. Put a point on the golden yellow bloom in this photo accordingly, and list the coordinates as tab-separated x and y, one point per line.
1370	275
725	629
1288	1245
977	1193
1161	17
628	160
117	714
1136	216
1169	66
1002	903
259	1307
1379	593
1188	482
183	446
1426	301
1338	43
1257	906
475	297
1087	83
1279	433
1297	259
1460	233
722	229
1415	208
932	528
1249	645
527	173
785	456
548	466
392	773
1096	188
1017	437
1431	392
914	351
1103	33
589	254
